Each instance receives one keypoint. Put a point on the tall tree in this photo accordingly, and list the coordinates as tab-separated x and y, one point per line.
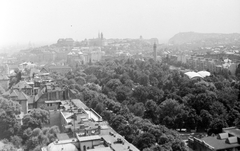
9	124
35	119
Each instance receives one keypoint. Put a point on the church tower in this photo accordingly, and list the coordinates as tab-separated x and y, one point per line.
101	36
155	51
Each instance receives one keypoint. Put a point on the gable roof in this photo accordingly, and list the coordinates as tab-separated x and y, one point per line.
19	95
22	85
222	136
14	93
43	70
232	140
233	131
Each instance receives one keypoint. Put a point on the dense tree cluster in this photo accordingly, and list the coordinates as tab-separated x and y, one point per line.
30	135
143	100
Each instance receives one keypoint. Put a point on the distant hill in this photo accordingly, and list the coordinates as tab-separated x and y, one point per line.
213	38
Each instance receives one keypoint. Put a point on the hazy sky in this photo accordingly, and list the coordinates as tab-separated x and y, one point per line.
47	20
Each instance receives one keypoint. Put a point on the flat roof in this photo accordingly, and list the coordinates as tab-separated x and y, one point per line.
66	141
218	144
62	136
109	138
89	138
67	114
118	146
79	103
101	149
53	101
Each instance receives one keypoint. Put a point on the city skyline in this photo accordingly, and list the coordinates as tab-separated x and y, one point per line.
46	21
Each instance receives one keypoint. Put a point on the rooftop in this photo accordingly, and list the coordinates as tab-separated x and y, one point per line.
62	147
233	131
100	149
21	85
79	103
88	138
3	77
200	74
219	143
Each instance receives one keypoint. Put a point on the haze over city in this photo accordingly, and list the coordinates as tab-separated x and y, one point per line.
126	75
46	21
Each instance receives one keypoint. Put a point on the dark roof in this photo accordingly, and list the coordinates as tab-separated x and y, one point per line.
218	143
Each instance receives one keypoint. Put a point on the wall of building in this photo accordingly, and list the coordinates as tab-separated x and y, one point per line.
89	144
54	117
24	105
63	123
50	106
197	146
233	68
